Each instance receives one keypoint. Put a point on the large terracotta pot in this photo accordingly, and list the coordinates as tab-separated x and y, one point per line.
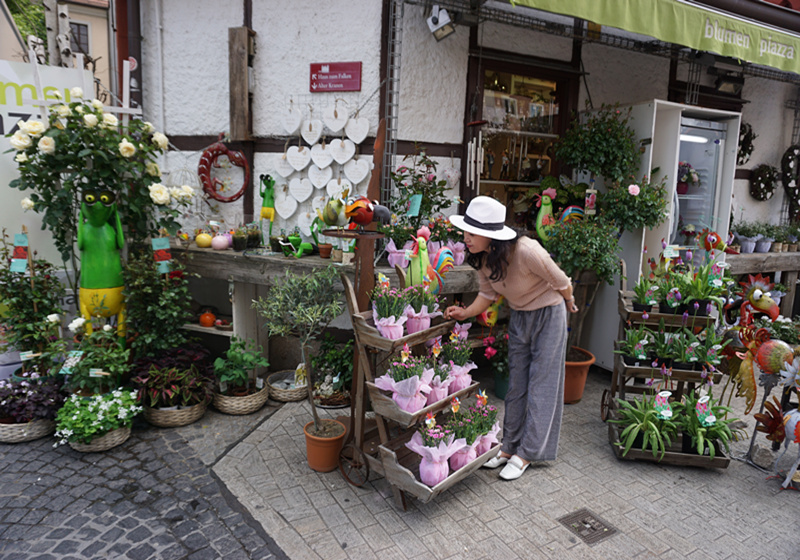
323	453
575	376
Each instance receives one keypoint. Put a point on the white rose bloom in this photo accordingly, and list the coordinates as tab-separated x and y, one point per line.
126	149
76	92
148	127
79	109
160	140
76	324
21	157
97	104
56	94
109	120
47	145
152	169
188	191
54	318
20	141
27	203
63	111
32	128
159	193
108	328
90	120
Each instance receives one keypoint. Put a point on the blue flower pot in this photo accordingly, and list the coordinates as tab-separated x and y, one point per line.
500	386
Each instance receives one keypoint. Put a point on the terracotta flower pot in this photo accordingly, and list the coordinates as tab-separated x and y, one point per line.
575	376
325	250
323	453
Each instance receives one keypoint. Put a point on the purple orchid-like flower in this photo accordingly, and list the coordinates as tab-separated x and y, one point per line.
645	316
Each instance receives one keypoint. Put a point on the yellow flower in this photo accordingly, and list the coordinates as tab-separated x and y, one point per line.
32	128
20	141
160	140
47	145
126	149
152	169
90	120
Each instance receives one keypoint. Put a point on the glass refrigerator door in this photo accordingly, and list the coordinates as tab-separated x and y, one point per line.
699	168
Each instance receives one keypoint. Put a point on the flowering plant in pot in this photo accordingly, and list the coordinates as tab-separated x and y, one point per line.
641	204
640	418
408	379
28	408
235	370
704	424
417	185
457	352
303	305
166	392
104	360
333	363
422	306
496	351
97	423
644	294
462	426
388	307
635	344
436	444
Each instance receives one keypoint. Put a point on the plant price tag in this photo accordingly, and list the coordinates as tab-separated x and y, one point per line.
259	383
29	355
97	372
223	386
73	357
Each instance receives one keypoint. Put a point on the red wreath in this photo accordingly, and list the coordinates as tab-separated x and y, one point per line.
208	160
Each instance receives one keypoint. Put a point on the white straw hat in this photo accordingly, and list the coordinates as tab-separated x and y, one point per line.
485	216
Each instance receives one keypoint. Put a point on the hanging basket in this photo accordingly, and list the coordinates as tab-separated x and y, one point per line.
104	442
174	418
285	395
17	433
241	405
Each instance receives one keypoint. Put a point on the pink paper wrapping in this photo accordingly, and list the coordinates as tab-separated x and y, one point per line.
487	440
396	256
433	248
433	467
409	394
459	252
389	327
419	321
462	330
461	377
439	388
465	455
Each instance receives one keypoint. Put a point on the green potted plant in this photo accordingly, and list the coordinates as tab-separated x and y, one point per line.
643	427
644	294
174	396
97	423
28	408
103	363
302	305
496	351
240	391
333	365
240	237
634	346
635	204
416	184
705	426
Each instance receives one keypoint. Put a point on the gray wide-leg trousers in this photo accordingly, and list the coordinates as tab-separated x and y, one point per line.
537	344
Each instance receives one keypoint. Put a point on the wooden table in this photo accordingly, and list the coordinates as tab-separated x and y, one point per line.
788	264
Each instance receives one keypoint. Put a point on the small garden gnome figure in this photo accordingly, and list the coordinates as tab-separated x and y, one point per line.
267	201
100	240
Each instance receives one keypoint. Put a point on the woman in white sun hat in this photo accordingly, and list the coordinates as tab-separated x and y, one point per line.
540	295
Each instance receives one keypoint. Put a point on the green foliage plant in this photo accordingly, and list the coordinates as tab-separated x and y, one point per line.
635	342
83	419
172	386
456	350
335	359
302	305
601	143
645	291
703	435
633	205
104	364
418	177
641	417
241	358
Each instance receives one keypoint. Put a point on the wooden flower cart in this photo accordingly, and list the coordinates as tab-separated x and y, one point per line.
378	444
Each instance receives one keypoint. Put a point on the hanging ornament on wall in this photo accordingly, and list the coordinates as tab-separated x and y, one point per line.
218	156
763	181
790	177
746	138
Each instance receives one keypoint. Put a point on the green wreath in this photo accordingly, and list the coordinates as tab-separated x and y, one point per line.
762	183
790	176
746	138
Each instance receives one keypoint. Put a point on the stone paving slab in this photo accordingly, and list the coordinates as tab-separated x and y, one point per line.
659	511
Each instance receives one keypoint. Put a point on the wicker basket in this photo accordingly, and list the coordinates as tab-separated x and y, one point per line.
174	418
285	395
17	433
104	442
241	405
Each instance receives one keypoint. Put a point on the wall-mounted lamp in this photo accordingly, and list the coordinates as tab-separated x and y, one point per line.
729	83
440	23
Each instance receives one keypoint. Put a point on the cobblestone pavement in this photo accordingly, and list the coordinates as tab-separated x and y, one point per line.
659	511
155	496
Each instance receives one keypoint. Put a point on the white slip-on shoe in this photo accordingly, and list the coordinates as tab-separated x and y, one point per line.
495	462
514	469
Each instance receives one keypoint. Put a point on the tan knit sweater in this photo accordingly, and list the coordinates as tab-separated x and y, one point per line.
531	281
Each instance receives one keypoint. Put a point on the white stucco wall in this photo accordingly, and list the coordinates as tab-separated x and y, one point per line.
523	41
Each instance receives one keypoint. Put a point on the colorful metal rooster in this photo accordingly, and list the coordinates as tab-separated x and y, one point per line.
545	218
489	317
781	427
423	270
360	211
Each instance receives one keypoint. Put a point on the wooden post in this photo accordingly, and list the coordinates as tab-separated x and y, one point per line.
240	50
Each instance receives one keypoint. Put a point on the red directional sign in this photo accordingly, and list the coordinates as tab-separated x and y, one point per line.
335	76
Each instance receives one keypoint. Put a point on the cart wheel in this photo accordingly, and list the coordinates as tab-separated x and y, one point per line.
354	465
605	405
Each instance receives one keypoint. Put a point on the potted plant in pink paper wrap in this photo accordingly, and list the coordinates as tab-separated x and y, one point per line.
457	352
484	415
422	307
408	381
463	426
435	444
388	305
440	383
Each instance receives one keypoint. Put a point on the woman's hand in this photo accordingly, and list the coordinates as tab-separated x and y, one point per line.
455	312
571	307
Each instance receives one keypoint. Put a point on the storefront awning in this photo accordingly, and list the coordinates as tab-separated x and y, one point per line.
690	25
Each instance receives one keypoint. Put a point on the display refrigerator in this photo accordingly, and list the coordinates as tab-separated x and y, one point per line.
671	135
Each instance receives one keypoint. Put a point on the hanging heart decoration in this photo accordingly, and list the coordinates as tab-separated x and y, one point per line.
357	129
319	177
304	221
452	176
342	150
298	157
321	155
318	202
311	131
285	204
335	118
283	167
291	120
357	169
300	189
336	187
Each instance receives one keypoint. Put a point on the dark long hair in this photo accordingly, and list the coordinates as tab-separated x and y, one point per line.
495	257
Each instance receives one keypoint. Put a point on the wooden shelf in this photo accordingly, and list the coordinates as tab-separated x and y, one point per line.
383	404
207	330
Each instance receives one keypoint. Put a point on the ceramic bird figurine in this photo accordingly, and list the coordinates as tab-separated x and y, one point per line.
334	212
781	427
421	270
381	213
489	317
545	219
360	211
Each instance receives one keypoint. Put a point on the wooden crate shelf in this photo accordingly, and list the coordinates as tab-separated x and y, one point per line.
383	404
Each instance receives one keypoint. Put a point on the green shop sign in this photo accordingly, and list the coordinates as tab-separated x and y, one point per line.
686	24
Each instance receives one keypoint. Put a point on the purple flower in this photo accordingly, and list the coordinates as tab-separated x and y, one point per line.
708	308
654	364
645	316
689	255
696	306
650	382
685	318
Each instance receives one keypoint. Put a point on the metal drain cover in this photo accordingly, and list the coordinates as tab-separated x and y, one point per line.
588	526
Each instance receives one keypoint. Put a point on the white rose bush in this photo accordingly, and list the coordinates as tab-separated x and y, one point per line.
81	146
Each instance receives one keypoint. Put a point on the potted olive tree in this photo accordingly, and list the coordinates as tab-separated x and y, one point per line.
303	305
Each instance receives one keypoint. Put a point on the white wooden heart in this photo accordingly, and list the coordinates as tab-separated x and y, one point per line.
357	169
300	189
298	157
321	157
319	177
291	120
285	204
335	187
335	118
357	129
283	167
311	131
342	150
304	221
318	202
